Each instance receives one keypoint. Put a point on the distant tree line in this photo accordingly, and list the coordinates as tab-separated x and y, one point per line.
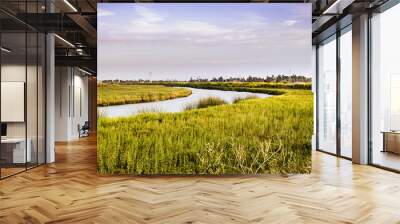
279	78
273	78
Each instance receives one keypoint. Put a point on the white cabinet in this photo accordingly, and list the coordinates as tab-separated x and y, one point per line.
19	155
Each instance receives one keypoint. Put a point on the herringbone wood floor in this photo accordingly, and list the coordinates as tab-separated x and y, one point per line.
70	191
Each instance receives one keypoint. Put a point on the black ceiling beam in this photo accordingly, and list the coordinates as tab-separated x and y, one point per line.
91	5
8	24
49	22
6	15
177	1
78	61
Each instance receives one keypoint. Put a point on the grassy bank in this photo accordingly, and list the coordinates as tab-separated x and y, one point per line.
270	135
114	94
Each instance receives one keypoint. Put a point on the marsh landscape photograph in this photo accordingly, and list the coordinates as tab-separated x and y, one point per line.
204	89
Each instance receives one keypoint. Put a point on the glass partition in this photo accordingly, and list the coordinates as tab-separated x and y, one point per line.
327	95
346	93
33	73
13	117
385	89
22	78
31	98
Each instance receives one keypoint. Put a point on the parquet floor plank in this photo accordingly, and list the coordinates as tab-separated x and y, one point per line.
70	191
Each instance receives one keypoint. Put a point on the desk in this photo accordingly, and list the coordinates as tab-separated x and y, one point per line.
15	148
391	141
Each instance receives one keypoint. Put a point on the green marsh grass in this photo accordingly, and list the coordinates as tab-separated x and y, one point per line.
271	135
116	94
241	98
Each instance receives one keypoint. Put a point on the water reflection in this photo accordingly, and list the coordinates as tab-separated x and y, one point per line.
174	105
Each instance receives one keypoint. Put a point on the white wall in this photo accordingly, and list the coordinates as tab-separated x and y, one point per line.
62	83
71	94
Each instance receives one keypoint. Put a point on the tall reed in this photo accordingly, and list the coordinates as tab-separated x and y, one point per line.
205	102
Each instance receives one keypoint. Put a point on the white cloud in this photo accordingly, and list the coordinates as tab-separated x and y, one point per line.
251	21
146	22
150	25
104	12
290	22
147	16
198	28
141	27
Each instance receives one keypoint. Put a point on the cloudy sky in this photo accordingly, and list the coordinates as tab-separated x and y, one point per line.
180	41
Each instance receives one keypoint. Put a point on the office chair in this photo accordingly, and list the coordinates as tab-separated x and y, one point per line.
84	130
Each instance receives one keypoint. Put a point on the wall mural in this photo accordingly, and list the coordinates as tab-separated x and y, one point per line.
204	88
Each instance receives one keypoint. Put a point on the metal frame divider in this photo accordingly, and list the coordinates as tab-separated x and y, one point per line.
369	78
26	86
338	75
316	97
37	91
